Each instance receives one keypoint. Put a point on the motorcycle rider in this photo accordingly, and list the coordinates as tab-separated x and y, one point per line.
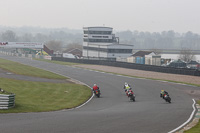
127	86
162	93
95	87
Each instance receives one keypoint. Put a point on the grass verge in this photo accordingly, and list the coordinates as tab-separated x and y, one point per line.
21	69
58	62
144	77
42	96
195	129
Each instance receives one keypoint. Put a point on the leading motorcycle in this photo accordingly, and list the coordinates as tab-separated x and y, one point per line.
131	95
167	98
97	93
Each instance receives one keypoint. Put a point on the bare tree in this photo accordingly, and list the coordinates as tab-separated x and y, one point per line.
74	45
8	36
54	45
186	55
27	37
40	37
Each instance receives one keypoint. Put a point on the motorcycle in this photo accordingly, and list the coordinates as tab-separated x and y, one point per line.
167	98
131	95
97	93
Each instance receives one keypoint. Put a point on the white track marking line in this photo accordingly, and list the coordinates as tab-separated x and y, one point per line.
191	116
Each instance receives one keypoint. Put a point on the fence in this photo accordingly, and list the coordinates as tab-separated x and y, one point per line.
183	71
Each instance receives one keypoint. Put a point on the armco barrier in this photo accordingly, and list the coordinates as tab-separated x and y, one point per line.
7	101
183	71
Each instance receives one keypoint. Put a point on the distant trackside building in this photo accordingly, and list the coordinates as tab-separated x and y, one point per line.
101	43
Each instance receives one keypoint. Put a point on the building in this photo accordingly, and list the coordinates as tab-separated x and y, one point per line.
101	43
26	47
177	63
153	59
193	65
145	57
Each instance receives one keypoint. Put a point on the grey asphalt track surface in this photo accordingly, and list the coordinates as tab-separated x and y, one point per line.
112	113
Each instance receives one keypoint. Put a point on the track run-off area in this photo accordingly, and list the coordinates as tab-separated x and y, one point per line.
113	112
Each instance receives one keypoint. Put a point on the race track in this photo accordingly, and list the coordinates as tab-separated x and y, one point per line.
112	113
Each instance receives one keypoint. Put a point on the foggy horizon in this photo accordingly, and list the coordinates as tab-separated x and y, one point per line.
141	15
81	29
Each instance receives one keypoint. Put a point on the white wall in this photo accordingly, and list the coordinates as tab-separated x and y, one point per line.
152	60
113	55
131	59
121	59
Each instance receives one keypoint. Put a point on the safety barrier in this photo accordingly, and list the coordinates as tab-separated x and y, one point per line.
7	100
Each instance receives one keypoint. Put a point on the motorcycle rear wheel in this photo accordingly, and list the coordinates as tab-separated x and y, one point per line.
132	98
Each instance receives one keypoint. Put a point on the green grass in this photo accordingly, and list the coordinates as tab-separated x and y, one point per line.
196	128
5	93
58	62
21	69
42	96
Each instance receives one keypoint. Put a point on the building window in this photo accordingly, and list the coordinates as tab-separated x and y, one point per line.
119	50
85	32
85	39
101	40
97	36
95	49
108	50
98	32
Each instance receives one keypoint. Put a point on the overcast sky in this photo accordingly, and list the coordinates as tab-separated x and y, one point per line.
142	15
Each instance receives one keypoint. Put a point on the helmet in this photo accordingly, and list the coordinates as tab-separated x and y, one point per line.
125	83
95	85
162	90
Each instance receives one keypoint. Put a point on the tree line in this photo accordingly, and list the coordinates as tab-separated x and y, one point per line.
163	40
56	40
141	40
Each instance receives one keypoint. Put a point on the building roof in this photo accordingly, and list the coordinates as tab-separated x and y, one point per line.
142	53
193	63
97	27
178	61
